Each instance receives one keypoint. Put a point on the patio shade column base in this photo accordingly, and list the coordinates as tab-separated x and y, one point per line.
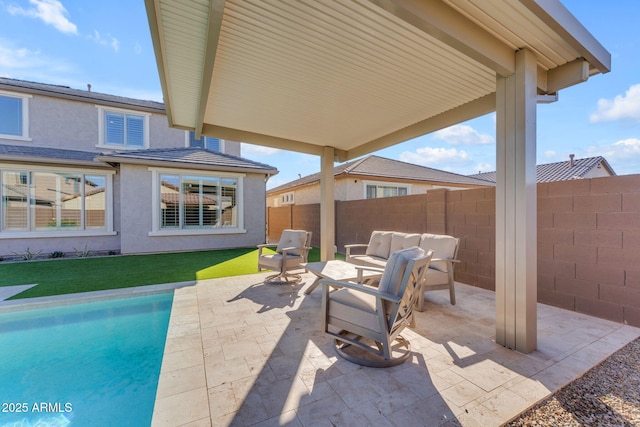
516	207
327	208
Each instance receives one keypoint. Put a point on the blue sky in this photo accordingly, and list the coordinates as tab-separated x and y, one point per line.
107	44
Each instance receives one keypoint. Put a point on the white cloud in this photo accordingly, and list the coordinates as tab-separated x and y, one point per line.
485	167
625	106
27	64
463	135
258	150
51	12
628	147
550	154
440	158
137	48
107	41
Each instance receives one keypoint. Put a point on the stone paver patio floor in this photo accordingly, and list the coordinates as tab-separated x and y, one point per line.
240	352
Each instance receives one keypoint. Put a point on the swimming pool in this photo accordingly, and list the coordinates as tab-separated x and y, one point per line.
93	364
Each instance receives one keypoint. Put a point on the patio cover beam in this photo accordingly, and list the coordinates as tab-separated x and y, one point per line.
450	27
267	140
471	110
216	13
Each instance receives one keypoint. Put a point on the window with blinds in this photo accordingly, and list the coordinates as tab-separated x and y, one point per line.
375	191
124	129
198	202
14	116
37	200
206	142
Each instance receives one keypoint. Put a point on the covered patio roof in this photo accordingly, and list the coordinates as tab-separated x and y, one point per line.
341	79
358	76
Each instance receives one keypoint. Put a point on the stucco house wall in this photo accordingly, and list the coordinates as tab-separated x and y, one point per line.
346	188
61	119
136	230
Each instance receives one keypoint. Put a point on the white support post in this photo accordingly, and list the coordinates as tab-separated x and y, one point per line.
516	206
327	205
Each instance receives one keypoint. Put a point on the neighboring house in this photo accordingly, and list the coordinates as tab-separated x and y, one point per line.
371	177
83	169
590	167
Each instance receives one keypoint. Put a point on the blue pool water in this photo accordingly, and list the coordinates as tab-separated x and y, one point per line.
94	364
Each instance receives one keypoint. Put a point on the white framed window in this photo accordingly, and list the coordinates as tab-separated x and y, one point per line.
123	129
376	190
14	116
287	198
206	142
197	202
45	202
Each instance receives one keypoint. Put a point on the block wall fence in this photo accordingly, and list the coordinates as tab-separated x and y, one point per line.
588	237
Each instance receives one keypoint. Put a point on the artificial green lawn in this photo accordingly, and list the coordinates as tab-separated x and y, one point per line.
65	276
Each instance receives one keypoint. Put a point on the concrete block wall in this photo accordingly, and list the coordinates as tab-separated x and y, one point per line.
589	246
588	237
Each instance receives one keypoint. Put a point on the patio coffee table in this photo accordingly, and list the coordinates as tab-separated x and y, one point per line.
337	270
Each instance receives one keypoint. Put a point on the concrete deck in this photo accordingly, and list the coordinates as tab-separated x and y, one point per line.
243	353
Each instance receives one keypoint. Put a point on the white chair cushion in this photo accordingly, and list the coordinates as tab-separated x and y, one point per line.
292	239
379	244
436	277
355	307
274	261
442	246
403	241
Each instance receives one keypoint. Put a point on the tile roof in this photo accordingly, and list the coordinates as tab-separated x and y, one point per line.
381	167
187	156
79	95
45	154
559	171
196	158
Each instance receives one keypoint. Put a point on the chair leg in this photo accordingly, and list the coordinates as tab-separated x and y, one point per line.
452	290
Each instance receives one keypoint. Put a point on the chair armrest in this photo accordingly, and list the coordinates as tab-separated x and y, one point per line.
366	267
352	246
445	259
361	288
303	251
262	246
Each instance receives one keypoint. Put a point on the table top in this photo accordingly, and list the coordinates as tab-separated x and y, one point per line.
337	270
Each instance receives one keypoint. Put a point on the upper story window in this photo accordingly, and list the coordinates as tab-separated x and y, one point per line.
14	115
123	129
287	198
206	142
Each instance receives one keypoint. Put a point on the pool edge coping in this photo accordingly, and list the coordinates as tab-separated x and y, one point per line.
84	297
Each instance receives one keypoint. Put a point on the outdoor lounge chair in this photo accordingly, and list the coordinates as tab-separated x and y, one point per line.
365	321
292	250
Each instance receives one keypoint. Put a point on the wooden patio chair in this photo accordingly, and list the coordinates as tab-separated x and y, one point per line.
365	321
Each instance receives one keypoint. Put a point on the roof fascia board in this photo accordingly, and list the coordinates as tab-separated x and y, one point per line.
450	27
216	12
77	97
184	165
155	25
266	140
555	15
53	161
468	111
